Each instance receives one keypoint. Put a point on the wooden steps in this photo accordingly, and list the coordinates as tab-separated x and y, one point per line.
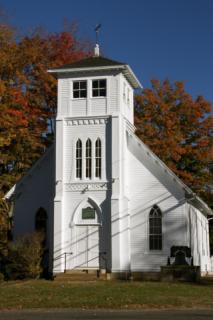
79	275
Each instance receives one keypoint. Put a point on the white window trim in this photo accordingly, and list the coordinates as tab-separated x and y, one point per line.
162	251
82	150
88	178
72	88
107	87
98	79
101	157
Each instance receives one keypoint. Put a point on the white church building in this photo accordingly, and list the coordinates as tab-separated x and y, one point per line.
104	198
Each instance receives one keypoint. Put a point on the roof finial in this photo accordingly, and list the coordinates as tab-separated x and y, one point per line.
97	49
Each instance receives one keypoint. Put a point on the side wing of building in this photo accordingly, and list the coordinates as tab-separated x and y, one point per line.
152	190
33	194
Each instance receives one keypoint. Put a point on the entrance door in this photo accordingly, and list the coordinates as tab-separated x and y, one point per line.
93	246
87	247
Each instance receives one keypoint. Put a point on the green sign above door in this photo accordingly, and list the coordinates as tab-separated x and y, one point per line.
88	213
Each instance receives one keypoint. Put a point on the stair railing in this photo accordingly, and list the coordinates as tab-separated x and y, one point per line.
65	258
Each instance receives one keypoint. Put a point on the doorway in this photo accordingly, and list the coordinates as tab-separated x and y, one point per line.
87	247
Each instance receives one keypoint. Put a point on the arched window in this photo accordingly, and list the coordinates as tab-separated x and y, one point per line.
155	229
88	159
79	159
98	158
41	220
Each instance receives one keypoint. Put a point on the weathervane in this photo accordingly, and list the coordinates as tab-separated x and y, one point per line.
97	28
97	50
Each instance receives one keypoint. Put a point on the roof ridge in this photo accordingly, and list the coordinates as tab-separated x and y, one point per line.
90	62
174	177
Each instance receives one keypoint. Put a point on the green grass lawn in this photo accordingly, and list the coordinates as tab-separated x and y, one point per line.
102	294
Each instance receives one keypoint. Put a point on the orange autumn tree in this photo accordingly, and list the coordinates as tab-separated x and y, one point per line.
28	102
178	129
28	96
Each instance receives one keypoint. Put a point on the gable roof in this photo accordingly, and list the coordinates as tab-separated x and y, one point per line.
190	196
90	63
16	187
99	64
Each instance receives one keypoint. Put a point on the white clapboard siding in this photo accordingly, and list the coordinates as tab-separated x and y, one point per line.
35	190
79	107
199	239
71	202
64	94
98	106
145	190
127	109
113	98
83	132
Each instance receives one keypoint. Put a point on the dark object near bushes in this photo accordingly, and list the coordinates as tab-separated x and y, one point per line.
1	277
25	257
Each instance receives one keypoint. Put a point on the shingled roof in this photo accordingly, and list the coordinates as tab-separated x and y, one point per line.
90	63
94	64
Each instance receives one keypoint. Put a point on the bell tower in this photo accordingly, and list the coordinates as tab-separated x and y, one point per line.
95	108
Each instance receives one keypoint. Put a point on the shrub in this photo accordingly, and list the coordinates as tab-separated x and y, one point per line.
5	226
25	257
1	277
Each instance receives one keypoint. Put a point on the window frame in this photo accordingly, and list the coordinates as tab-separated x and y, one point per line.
41	223
88	159
98	158
78	159
155	229
80	90
99	88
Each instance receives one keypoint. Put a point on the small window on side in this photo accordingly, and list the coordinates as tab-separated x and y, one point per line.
155	228
41	220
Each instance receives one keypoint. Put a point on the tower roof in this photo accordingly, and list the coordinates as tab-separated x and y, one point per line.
96	63
91	62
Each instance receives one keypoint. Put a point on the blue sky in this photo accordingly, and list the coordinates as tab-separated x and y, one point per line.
159	39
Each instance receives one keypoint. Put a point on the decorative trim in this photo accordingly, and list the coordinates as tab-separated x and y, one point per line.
84	187
87	201
125	69
129	126
77	122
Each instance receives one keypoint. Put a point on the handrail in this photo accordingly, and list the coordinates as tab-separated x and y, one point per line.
101	255
65	258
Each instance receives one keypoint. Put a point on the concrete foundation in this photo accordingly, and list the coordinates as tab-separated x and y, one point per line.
180	273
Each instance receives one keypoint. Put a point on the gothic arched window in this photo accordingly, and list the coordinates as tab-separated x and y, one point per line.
98	158
79	159
88	159
155	229
41	220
